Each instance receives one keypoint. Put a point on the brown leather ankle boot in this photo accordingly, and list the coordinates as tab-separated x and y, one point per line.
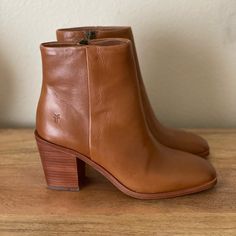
90	111
173	138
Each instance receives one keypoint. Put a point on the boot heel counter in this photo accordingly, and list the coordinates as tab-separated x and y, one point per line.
48	112
49	124
42	116
38	115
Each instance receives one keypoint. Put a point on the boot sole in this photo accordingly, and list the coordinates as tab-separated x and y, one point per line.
65	173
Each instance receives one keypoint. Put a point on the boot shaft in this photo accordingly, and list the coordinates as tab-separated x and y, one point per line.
101	32
89	90
62	113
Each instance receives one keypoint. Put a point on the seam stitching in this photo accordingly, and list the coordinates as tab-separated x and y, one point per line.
89	102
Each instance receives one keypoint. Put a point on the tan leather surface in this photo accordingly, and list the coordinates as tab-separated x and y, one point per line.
111	116
177	139
62	113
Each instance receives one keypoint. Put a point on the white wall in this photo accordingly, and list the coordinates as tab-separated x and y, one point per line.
187	51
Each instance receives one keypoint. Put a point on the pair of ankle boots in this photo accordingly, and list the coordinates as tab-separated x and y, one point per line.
94	109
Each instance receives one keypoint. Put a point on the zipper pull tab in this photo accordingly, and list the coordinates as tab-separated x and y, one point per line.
83	42
87	37
90	35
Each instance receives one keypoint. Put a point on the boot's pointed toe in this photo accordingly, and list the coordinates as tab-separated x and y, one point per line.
204	149
197	172
180	173
184	141
194	144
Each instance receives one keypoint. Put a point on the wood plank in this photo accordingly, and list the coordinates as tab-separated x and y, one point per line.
27	207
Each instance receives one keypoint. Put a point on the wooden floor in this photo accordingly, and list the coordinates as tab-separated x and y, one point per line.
27	207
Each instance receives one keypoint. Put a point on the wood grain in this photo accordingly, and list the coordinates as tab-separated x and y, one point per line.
62	171
27	207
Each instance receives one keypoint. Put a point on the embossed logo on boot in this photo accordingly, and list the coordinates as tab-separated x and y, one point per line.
56	117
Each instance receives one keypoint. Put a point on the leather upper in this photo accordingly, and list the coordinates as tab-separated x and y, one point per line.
173	138
95	88
63	108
